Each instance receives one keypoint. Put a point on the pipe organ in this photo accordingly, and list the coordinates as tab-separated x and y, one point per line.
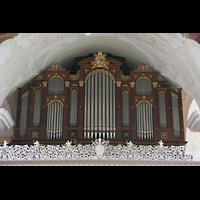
99	98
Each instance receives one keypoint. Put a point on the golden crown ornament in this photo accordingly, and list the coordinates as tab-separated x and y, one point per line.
100	61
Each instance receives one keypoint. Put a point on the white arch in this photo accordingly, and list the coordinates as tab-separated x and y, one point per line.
192	136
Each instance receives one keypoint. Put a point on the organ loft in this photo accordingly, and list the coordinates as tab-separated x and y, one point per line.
99	98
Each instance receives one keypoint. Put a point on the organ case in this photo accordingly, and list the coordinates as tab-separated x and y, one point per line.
100	99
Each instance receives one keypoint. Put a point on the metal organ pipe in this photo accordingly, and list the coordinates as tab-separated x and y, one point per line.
107	107
104	106
88	108
144	121
99	101
92	106
54	121
85	110
99	116
96	99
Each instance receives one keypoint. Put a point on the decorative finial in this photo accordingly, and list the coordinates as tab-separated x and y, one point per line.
5	143
129	144
36	144
100	61
161	143
56	67
68	143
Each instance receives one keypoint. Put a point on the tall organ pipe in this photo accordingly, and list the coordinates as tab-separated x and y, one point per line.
96	107
99	116
104	106
85	110
99	101
92	106
107	107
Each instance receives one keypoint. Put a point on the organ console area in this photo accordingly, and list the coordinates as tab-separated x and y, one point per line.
99	98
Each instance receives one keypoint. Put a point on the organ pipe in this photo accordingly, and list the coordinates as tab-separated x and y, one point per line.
96	108
144	120
100	107
54	121
37	108
73	108
92	106
85	109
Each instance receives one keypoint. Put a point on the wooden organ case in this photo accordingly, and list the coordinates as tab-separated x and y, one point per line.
99	101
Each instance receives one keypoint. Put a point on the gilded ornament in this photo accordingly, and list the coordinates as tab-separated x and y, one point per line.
144	101
160	78
132	84
56	67
143	77
40	77
75	77
174	95
25	94
44	83
113	71
56	76
100	61
67	83
35	134
86	71
161	92
155	84
74	91
74	85
125	85
143	67
118	83
125	92
124	77
55	100
163	134
96	71
81	83
37	91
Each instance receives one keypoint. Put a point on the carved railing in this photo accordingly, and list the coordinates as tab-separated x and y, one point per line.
100	149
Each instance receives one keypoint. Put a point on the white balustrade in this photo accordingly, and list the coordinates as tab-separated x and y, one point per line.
100	149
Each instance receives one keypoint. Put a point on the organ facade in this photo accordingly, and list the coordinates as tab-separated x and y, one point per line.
99	98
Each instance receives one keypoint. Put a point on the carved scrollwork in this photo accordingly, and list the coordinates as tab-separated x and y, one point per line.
143	67
56	67
75	77
100	61
124	77
144	101
99	71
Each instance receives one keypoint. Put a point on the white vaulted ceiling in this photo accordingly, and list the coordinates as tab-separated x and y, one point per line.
174	56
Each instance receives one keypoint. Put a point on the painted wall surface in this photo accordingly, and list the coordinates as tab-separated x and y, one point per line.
192	136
